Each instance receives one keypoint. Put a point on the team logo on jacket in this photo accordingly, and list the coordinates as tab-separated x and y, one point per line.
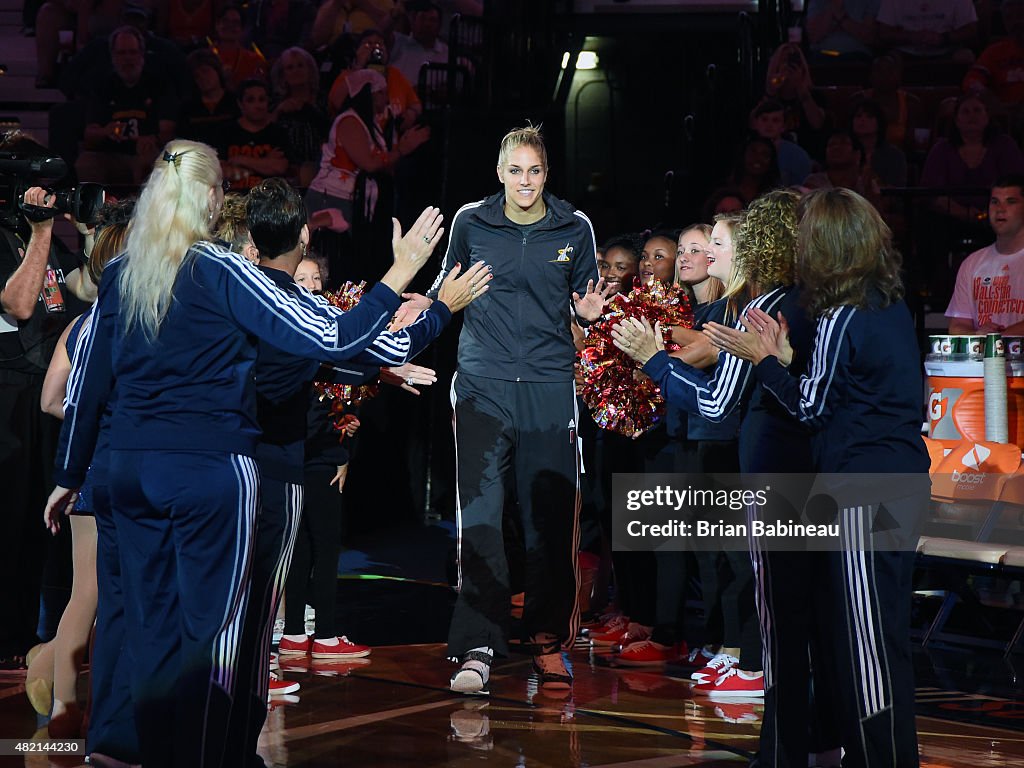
564	255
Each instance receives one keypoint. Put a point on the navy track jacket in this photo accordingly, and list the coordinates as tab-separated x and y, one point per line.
861	392
191	388
770	439
520	329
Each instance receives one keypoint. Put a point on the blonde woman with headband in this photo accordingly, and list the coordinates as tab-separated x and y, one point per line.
172	351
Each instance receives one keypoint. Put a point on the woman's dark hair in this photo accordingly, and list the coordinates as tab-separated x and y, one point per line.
276	215
991	130
665	233
204	57
873	109
630	242
361	103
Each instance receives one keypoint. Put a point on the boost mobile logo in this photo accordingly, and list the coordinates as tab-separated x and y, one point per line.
973	460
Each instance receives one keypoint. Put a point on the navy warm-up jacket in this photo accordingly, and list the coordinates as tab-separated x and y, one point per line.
861	392
191	388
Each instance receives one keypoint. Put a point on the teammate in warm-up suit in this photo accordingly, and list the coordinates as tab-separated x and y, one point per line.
515	412
861	393
770	440
276	219
183	483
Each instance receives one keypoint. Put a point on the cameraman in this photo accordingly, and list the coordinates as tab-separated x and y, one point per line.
36	305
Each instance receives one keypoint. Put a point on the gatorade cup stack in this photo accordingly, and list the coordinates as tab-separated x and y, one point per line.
996	429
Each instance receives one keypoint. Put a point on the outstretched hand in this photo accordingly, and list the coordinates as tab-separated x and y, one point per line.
408	376
415	304
591	304
457	292
414	248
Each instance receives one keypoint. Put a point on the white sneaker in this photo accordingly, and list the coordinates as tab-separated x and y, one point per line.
715	667
474	673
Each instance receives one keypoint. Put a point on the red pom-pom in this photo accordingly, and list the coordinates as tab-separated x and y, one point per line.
620	397
344	396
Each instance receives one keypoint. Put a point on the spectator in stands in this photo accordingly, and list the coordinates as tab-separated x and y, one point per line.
769	122
356	161
999	69
130	116
929	28
842	28
279	24
789	81
354	17
845	167
868	126
252	148
213	106
756	170
189	23
93	64
903	111
84	21
403	103
240	64
421	45
975	155
296	85
989	292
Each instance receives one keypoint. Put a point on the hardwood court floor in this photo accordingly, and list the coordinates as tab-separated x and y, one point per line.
393	710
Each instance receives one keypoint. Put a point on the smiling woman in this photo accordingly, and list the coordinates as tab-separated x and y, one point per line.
515	411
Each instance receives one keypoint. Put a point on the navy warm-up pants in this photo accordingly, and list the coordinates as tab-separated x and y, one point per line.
185	524
111	718
276	525
521	433
851	609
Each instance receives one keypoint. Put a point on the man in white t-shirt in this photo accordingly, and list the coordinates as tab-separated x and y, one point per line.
410	52
989	292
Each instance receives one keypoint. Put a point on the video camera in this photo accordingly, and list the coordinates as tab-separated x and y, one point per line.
24	164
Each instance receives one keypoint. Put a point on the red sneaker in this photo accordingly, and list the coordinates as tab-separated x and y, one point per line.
281	687
286	646
733	683
635	633
608	623
343	649
647	653
715	667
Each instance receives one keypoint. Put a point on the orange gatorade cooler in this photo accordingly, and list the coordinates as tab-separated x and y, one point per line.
956	400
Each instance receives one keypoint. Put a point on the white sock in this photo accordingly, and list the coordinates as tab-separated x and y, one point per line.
295	638
328	640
